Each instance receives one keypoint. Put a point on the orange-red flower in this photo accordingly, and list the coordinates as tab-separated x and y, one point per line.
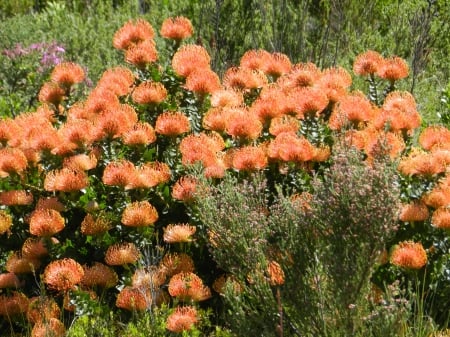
149	93
46	222
415	211
249	158
307	101
132	33
67	74
215	119
275	274
63	274
142	133
117	81
81	162
177	28
41	309
239	78
409	255
9	280
151	174
174	263
120	173
441	218
66	180
12	305
99	275
272	102
334	82
122	253
184	189
174	233
12	160
172	124
189	58
202	81
5	222
34	248
241	123
393	69
94	225
53	327
131	299
367	63
435	136
226	98
51	93
142	54
115	122
421	163
277	65
188	286
148	278
201	148
15	197
18	264
182	319
287	146
139	214
301	75
255	59
284	123
78	131
351	109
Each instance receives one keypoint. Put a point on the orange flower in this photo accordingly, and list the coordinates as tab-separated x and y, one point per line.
200	148
415	211
277	65
149	93
41	309
12	305
81	162
301	75
255	59
9	280
141	133
46	222
409	255
275	274
172	124
284	123
132	299
184	189
63	274
139	214
95	225
441	218
50	202
239	78
132	33
120	173
334	83
249	158
12	160
367	63
384	143
439	196
240	123
121	253
214	119
21	265
307	101
15	198
175	233
78	131
115	122
174	263
5	222
188	286
226	98
202	81
182	319
393	68
67	74
148	278
287	146
99	275
142	54
321	154
421	163
34	248
189	58
271	103
435	136
66	180
152	174
51	93
53	327
117	81
352	108
177	28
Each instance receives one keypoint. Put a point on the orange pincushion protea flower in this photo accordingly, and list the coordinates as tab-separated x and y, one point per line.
182	319
41	309
389	143
139	214
114	122
441	218
177	28
78	131
239	78
67	74
66	180
434	136
51	93
34	248
9	280
415	211
367	63
202	81
5	222
15	198
63	274
95	225
12	305
287	146
81	162
334	82
18	264
51	202
301	75
189	58
393	69
12	160
226	98
275	274
352	108
241	123
174	233
188	286
438	197
132	33
132	299
184	189
277	65
120	173
421	163
149	93
117	81
214	119
142	54
172	124
122	253
46	222
255	59
174	263
142	133
249	158
409	255
53	327
284	123
148	278
201	148
151	174
271	103
307	101
99	275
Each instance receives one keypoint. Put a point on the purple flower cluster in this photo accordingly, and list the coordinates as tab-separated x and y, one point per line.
50	53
